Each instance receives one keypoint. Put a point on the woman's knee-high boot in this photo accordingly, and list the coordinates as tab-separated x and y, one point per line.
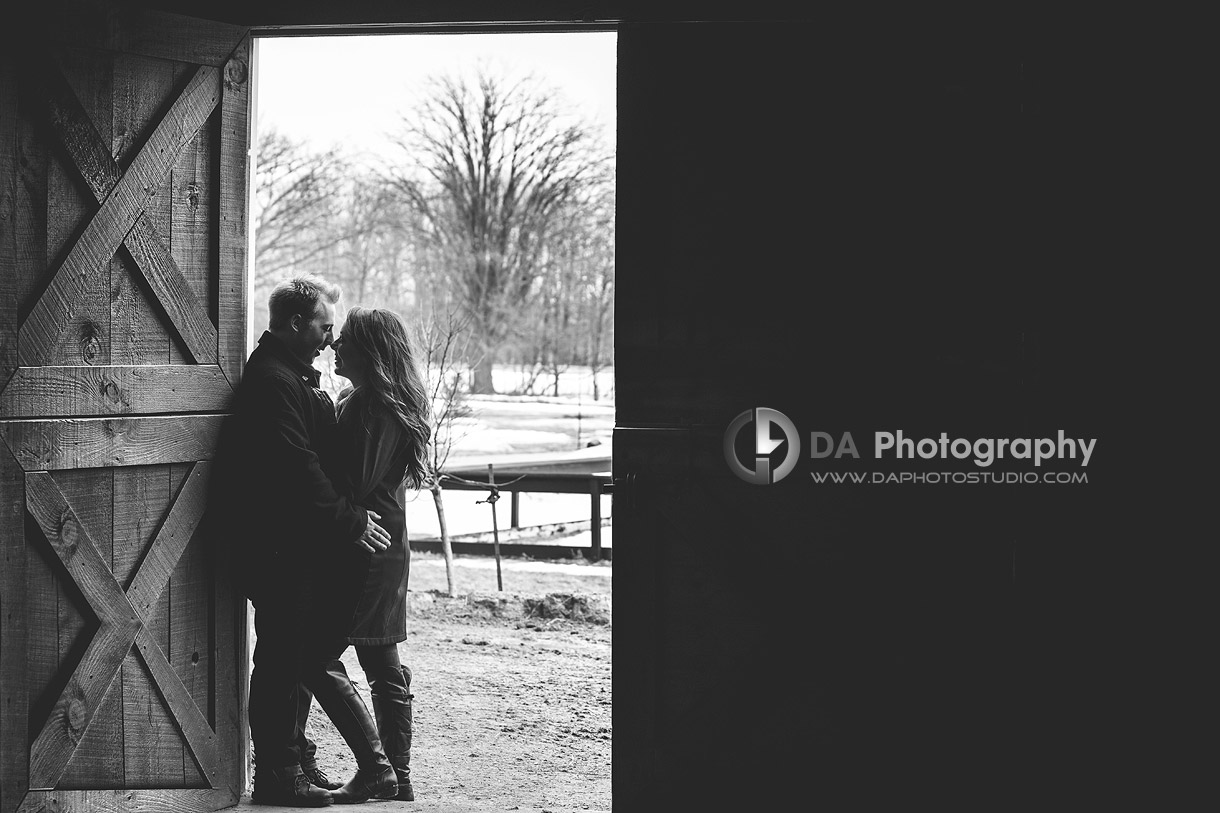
392	706
343	705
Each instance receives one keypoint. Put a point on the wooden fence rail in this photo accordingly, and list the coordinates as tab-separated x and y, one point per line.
586	474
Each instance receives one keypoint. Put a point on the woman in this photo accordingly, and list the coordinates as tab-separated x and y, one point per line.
384	427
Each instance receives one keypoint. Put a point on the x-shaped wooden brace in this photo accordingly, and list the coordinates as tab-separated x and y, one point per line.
123	617
121	219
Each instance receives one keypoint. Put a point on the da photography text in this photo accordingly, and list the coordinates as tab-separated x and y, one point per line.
772	429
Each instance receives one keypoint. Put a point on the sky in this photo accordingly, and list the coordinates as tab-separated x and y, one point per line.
350	90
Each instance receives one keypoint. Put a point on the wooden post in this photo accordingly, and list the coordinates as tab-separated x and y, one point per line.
495	527
515	514
595	523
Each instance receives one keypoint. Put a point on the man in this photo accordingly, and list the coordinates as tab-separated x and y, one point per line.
273	508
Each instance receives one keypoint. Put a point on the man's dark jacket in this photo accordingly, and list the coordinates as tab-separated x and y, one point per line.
272	507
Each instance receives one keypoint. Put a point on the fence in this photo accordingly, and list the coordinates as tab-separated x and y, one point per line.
584	472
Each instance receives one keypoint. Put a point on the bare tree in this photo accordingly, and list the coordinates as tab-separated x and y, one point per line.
375	255
597	282
294	201
443	337
488	168
578	291
316	211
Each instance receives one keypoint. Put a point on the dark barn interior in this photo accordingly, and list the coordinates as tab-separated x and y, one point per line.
972	223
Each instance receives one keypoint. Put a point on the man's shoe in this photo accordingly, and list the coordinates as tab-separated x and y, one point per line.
318	778
366	785
287	787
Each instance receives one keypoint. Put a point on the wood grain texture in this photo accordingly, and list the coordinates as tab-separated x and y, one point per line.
87	338
14	635
9	175
166	765
118	801
190	617
192	231
91	442
234	199
97	761
42	667
44	392
130	700
153	752
198	733
98	758
61	301
138	87
171	540
132	30
140	333
151	748
27	236
172	292
80	700
84	336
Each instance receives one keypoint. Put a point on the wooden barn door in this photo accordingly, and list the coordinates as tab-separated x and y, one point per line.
124	140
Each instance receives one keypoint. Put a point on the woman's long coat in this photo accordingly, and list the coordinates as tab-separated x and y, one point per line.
372	453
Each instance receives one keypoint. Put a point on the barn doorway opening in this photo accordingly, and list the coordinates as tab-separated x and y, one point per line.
467	182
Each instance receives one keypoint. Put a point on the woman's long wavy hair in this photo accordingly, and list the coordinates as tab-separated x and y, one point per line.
394	380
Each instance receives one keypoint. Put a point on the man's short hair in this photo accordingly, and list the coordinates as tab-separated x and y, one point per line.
299	295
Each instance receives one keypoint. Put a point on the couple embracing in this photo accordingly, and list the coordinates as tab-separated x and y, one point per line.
305	510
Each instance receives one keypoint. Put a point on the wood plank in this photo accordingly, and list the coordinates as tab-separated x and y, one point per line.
231	650
42	621
152	750
98	758
60	302
27	240
15	634
90	442
10	172
55	101
45	392
191	620
171	540
192	229
138	88
86	337
132	30
141	497
139	332
233	193
57	742
72	541
196	730
119	801
136	335
159	759
173	293
179	348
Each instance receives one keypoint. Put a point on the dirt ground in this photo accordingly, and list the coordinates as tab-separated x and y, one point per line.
512	693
